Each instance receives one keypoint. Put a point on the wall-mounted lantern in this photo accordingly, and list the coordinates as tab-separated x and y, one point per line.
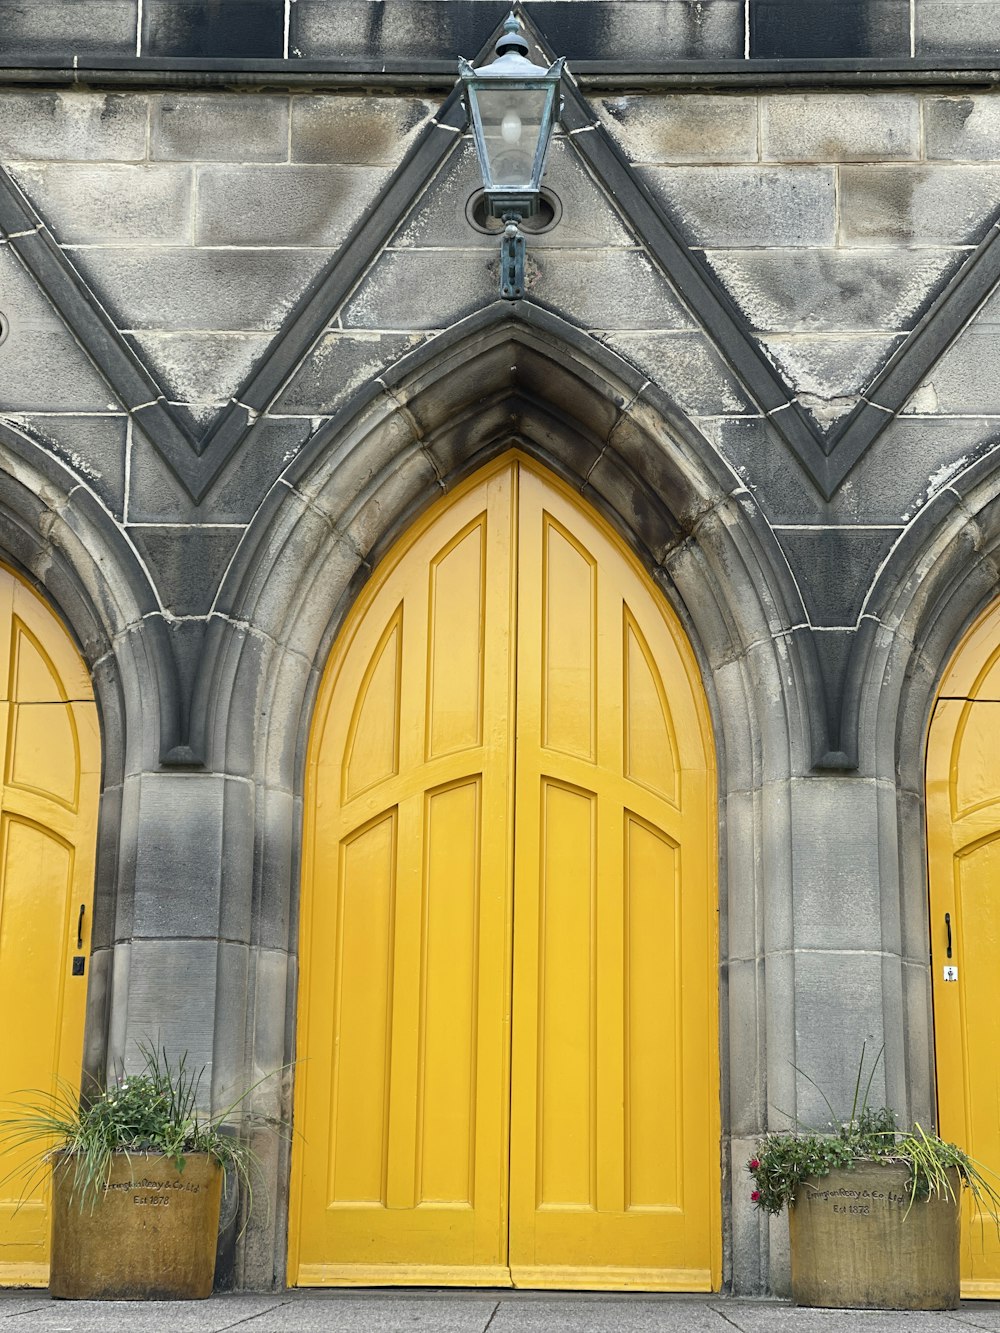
513	105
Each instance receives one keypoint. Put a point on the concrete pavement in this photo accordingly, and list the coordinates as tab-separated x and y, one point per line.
468	1312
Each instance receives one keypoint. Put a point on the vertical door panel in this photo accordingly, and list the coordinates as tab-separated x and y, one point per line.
614	1103
406	918
963	834
48	831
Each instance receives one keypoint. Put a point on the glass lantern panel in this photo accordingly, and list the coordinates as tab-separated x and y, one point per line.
512	120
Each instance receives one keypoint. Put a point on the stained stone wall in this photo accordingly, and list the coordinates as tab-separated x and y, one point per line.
248	331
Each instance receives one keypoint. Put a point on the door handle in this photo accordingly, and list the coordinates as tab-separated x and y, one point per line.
947	923
83	908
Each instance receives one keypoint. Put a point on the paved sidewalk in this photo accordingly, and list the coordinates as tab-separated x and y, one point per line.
468	1312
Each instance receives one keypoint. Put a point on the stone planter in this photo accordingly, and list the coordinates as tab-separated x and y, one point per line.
150	1236
857	1243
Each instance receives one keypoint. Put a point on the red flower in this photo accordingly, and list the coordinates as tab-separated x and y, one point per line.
754	1163
755	1196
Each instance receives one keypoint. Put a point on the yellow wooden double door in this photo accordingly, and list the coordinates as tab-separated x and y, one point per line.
963	837
507	1055
50	773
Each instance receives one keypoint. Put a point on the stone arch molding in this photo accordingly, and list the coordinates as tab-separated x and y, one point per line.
510	377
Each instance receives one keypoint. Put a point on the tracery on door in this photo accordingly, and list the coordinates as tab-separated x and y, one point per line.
507	1064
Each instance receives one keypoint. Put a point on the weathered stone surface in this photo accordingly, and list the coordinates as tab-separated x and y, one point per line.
606	289
186	288
44	370
688	367
834	831
834	568
177	878
338	366
587	217
238	28
186	564
422	289
962	127
840	127
684	127
789	290
290	205
953	28
966	379
184	969
818	29
219	127
100	204
748	206
201	370
71	27
762	462
829	371
93	446
904	205
372	130
72	123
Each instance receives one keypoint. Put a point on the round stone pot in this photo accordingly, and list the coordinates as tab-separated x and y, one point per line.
150	1236
857	1243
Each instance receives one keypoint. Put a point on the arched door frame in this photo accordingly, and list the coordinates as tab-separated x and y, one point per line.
521	377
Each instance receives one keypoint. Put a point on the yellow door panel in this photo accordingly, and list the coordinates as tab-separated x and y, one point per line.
48	832
963	836
491	1003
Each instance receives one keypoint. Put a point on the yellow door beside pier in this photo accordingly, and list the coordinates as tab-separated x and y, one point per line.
50	764
507	1054
963	838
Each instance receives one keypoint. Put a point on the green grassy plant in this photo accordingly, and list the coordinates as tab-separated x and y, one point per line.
154	1110
782	1161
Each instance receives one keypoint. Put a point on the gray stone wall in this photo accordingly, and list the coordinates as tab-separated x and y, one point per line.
252	332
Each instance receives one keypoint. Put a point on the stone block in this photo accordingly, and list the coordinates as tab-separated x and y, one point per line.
422	289
283	205
925	455
201	370
95	205
219	127
446	29
171	1000
829	371
183	288
840	127
609	289
834	568
748	206
586	219
811	291
835	835
927	205
237	901
93	446
372	131
72	124
742	849
238	29
965	381
279	819
44	370
186	564
686	366
954	28
338	366
178	871
838	1007
962	127
682	127
828	29
67	28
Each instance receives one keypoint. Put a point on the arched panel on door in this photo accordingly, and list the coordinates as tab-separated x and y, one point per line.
963	840
50	771
505	1074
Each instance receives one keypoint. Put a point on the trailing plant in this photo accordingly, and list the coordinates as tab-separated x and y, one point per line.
783	1160
154	1110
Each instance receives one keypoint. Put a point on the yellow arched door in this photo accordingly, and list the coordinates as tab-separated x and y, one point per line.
963	838
50	763
507	1056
